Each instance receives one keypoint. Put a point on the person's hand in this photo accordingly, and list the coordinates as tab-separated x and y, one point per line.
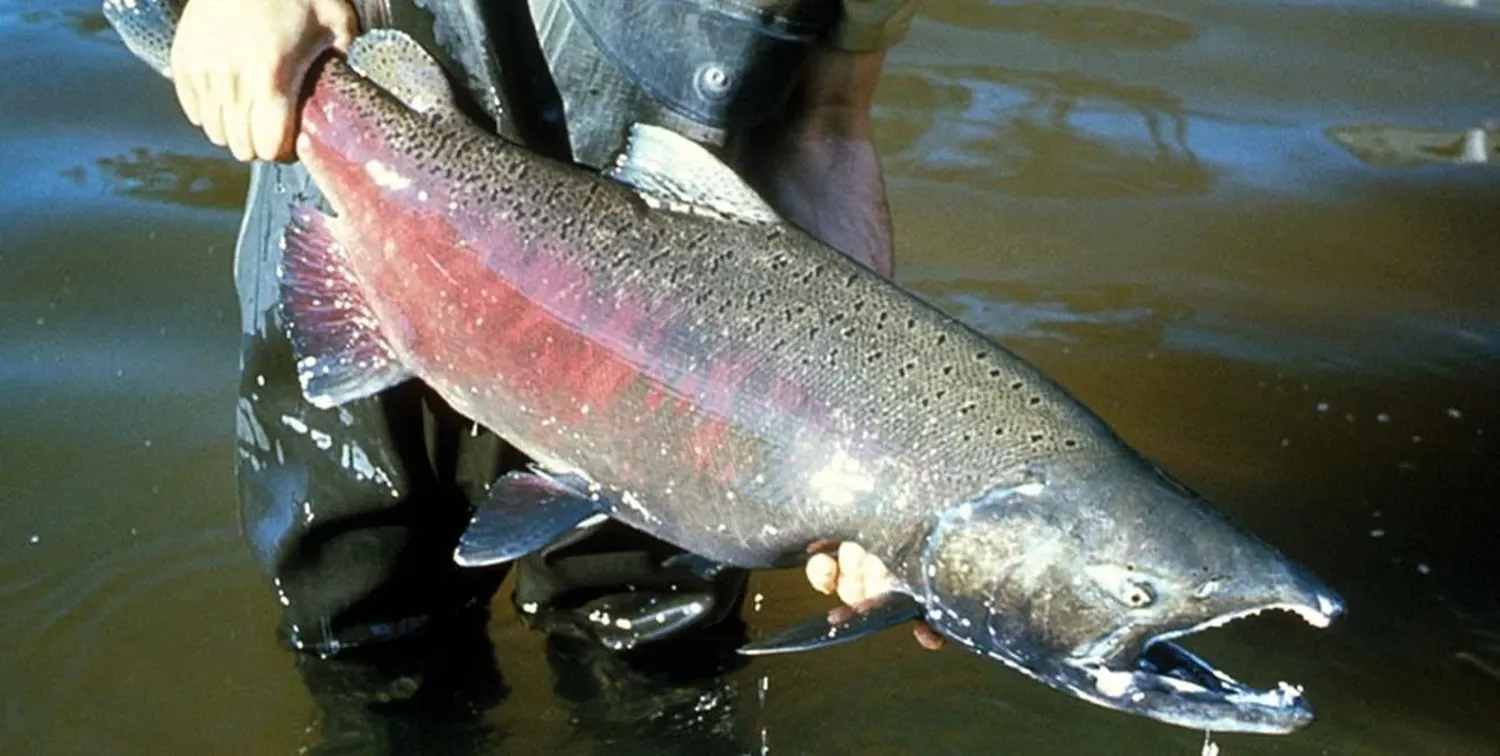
856	575
238	67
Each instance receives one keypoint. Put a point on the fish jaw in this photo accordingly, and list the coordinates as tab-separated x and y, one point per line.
1168	683
1088	597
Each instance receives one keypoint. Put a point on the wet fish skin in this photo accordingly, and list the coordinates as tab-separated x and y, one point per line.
676	357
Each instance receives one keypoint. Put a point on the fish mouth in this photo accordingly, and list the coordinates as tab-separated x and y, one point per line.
1168	683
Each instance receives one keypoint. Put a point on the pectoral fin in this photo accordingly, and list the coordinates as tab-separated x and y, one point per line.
840	626
526	511
341	353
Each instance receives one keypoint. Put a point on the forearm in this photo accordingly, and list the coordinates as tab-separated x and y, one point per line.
817	165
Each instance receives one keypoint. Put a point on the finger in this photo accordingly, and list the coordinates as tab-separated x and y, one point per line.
187	99
877	577
851	585
237	129
339	17
213	123
184	81
237	135
927	637
823	573
271	127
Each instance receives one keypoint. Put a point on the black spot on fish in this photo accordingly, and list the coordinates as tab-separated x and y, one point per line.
947	370
942	338
847	332
995	372
1035	437
1017	386
1034	401
1070	443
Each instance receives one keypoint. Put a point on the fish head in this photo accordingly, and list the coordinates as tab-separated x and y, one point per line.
1081	581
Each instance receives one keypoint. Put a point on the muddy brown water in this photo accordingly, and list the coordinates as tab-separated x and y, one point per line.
1261	239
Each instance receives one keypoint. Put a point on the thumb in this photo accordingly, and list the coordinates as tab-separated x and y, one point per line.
342	22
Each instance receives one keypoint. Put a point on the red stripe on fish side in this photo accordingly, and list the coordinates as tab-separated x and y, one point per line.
467	316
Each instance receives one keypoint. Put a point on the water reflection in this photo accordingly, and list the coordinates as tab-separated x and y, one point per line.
1041	133
84	23
1093	26
1399	147
172	177
679	693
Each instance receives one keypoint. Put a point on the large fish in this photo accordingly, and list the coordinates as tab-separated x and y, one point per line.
676	357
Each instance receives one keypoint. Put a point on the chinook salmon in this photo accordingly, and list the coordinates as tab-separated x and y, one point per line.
674	356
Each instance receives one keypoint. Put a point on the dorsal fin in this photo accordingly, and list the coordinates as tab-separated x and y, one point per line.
398	64
675	173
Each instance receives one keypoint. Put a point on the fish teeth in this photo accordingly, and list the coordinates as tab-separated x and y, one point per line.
1308	614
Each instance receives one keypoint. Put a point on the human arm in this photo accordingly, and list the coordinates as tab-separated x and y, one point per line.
238	67
816	164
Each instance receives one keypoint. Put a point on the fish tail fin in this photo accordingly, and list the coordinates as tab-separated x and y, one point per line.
341	354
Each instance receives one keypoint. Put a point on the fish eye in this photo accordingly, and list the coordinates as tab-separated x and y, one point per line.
1128	584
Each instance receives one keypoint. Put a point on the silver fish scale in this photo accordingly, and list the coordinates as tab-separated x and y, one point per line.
942	408
953	412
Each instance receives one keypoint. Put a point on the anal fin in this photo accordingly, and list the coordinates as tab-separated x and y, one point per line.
840	626
525	511
341	353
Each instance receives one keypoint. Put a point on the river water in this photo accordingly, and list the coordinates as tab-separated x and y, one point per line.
1261	239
